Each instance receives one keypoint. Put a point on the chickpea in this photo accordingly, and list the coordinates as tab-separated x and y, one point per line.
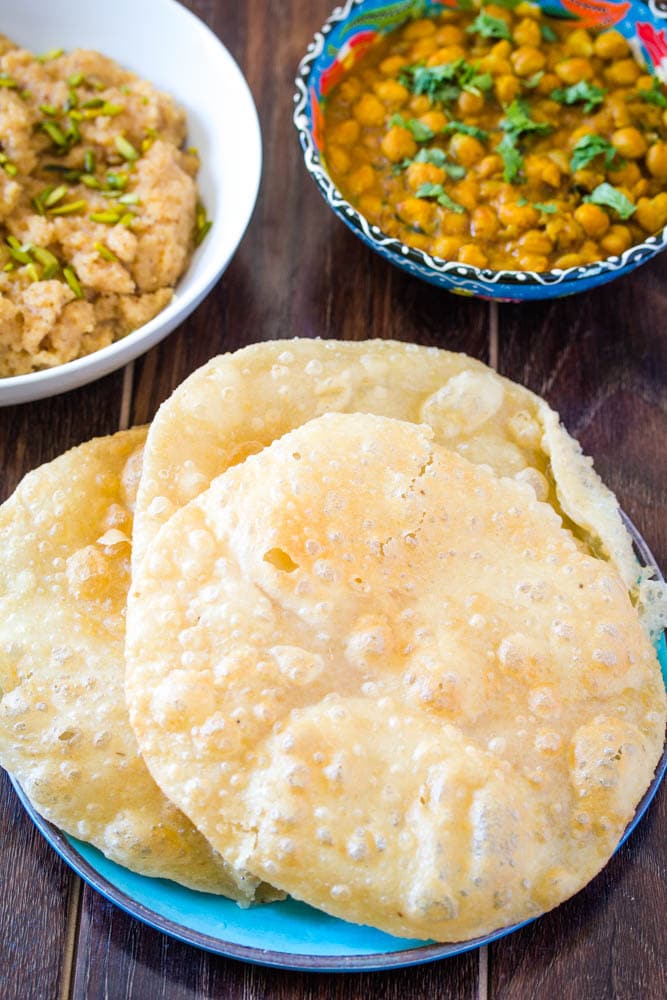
435	120
494	65
517	216
507	87
420	104
490	165
391	92
651	214
484	222
533	262
593	220
578	43
656	160
338	159
392	65
641	188
449	54
622	73
536	242
450	35
569	260
455	223
587	178
629	142
369	111
350	89
419	240
645	82
590	252
527	60
471	254
466	193
398	144
422	49
418	213
447	247
422	28
564	230
361	179
423	173
501	49
548	83
527	32
573	70
370	206
616	240
628	175
469	103
466	149
347	133
610	45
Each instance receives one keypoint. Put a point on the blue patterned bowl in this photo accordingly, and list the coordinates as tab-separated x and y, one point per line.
348	33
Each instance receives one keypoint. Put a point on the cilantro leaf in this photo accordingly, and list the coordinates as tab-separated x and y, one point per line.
419	131
438	158
582	91
513	160
610	197
438	192
465	129
654	95
590	146
489	27
548	33
547	207
445	82
533	80
519	123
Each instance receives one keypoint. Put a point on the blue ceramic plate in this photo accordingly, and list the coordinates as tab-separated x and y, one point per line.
289	935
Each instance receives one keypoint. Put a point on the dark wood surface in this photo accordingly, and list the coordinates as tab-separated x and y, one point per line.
600	359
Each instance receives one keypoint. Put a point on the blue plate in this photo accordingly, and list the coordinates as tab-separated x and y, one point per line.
288	935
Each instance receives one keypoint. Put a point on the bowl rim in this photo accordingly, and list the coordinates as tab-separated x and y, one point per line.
30	386
437	267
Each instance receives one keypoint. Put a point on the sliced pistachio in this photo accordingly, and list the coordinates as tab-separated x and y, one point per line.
202	231
50	55
131	198
32	272
49	261
70	277
19	251
10	168
52	198
75	80
125	148
54	132
108	218
105	253
127	219
70	208
117	181
49	109
89	162
90	181
7	81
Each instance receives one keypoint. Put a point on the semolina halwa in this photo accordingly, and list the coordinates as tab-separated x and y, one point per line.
99	210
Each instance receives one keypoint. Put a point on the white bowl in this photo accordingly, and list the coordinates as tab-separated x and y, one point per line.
162	42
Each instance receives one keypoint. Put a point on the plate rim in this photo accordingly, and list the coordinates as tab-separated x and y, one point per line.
64	845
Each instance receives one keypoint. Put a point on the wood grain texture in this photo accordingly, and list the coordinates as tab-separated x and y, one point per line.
601	360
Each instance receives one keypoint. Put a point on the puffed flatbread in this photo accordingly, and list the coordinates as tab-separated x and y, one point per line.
239	403
391	682
64	730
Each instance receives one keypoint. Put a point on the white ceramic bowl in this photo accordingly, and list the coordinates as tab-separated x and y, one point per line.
163	42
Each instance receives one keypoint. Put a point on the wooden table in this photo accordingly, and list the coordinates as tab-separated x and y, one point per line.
600	359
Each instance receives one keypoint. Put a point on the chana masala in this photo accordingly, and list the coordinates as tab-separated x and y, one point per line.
503	139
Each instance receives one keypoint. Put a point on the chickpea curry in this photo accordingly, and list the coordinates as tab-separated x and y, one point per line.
502	138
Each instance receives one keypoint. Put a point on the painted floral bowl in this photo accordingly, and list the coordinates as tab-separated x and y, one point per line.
353	27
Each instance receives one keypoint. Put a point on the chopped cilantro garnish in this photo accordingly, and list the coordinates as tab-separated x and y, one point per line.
438	158
610	197
419	131
547	207
489	27
590	146
511	157
445	82
533	80
655	94
465	129
438	192
519	123
582	91
548	33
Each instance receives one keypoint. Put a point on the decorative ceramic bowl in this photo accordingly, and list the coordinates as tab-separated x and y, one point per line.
347	35
164	43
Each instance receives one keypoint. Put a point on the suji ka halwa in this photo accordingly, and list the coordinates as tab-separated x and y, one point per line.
504	139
